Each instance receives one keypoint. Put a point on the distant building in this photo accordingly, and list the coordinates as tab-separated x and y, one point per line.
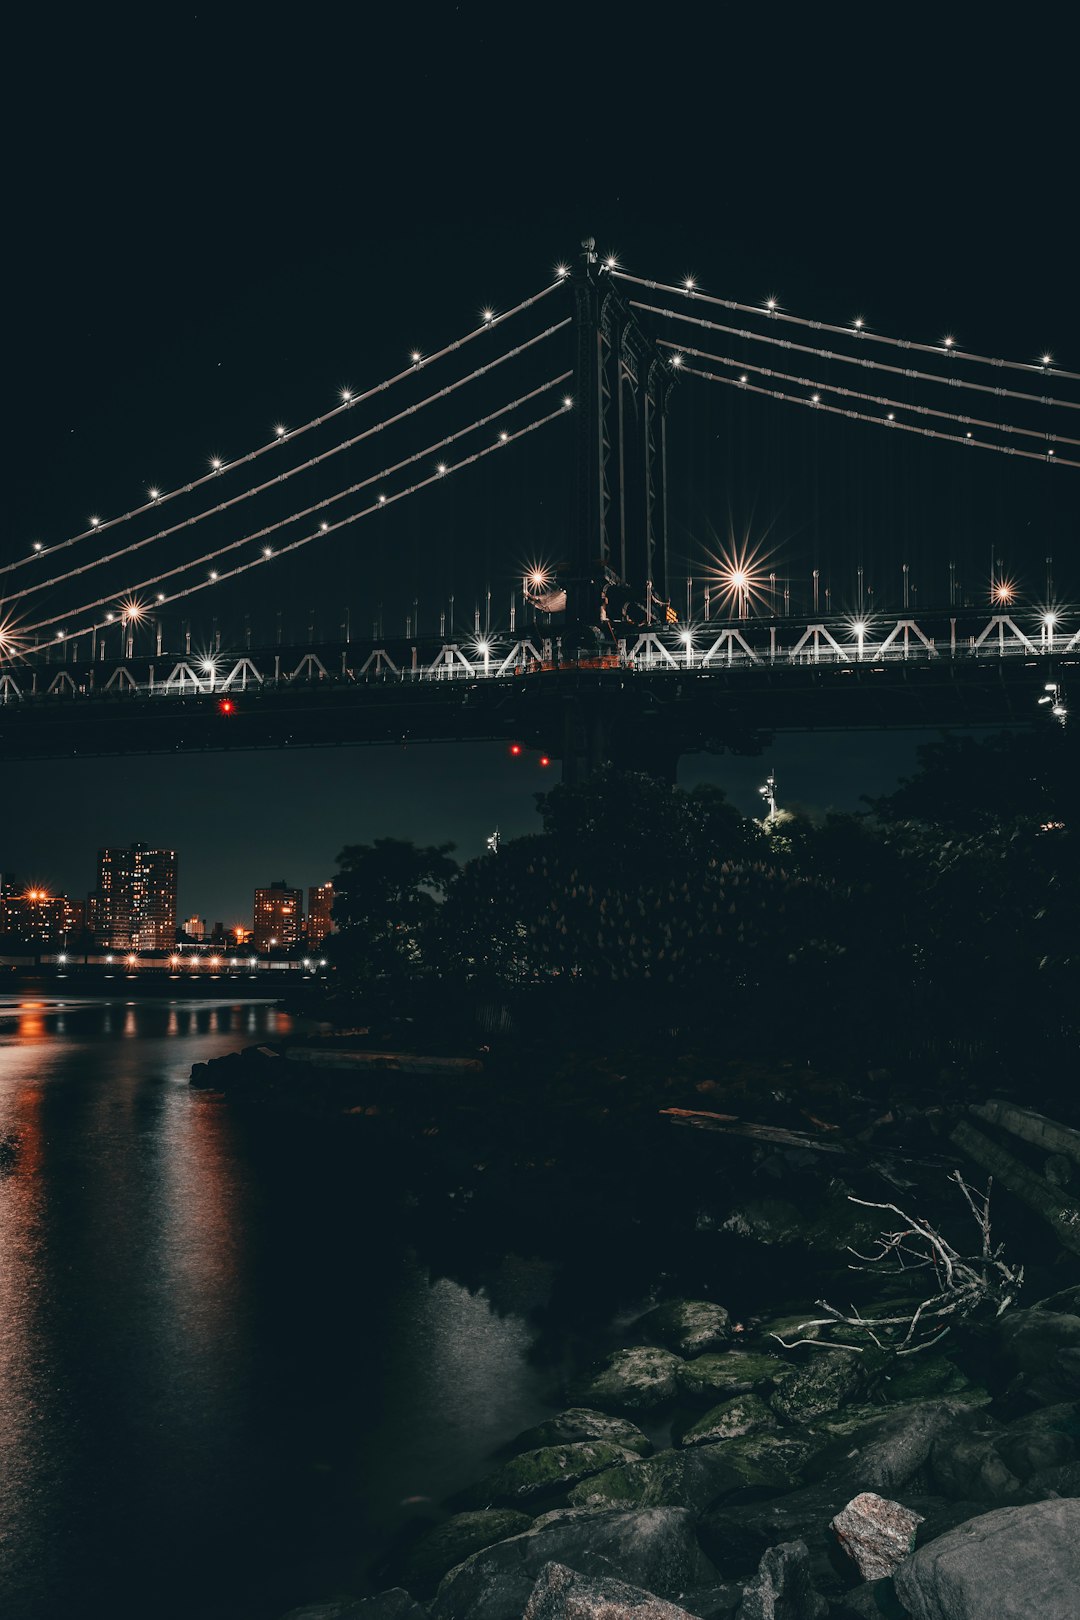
34	916
135	904
279	917
194	927
320	913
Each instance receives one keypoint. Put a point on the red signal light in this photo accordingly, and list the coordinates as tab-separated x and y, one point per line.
515	749
226	706
544	760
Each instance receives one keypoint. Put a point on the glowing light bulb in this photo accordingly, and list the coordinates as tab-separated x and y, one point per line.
323	527
415	356
161	596
59	635
567	402
744	378
1049	619
215	462
892	416
382	500
109	617
676	360
94	521
268	551
487	316
611	262
948	342
815	399
689	283
858	323
562	271
503	436
346	395
441	468
154	494
1047	360
859	627
213	573
770	303
37	545
280	431
483	647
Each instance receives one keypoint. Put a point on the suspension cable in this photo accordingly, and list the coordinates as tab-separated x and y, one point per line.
862	416
283	477
855	360
318	506
347	404
859	332
854	393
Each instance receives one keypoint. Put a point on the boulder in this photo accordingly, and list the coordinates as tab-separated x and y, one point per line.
536	1473
1041	1440
392	1605
875	1533
1061	1481
969	1466
883	1448
1045	1347
562	1594
1017	1563
717	1602
579	1423
825	1382
719	1377
730	1420
689	1327
449	1544
782	1588
736	1535
874	1600
654	1548
688	1479
633	1380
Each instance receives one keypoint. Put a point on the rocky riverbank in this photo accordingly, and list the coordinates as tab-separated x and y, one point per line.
722	1458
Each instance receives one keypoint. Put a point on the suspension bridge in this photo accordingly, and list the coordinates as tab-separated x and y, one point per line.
600	648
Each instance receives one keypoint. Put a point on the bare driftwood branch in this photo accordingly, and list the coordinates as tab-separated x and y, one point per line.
965	1283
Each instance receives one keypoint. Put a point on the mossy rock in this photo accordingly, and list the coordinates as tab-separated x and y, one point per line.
916	1378
633	1380
787	1328
730	1421
772	1221
451	1543
688	1327
773	1459
536	1473
719	1377
828	1381
579	1423
691	1479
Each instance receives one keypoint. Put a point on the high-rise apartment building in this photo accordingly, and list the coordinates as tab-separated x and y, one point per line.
320	913
279	917
135	904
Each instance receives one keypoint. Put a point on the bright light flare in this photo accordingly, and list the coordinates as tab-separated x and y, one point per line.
1003	592
562	271
742	580
487	316
772	305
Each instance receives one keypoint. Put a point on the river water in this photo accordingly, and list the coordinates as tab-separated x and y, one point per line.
225	1376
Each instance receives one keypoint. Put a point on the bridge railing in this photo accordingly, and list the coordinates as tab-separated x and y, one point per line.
705	647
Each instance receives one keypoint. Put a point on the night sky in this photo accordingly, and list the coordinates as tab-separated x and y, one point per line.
216	222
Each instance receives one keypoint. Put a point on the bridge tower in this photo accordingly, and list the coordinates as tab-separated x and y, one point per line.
622	385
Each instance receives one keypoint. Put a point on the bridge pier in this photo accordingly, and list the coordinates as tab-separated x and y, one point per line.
593	738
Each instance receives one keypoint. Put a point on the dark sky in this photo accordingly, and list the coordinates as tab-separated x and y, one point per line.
216	221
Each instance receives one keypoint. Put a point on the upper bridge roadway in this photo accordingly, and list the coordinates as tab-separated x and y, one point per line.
721	686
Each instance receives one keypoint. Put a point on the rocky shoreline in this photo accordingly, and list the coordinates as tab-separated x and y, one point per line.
720	1468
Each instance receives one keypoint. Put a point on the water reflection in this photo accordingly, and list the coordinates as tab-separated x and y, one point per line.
222	1370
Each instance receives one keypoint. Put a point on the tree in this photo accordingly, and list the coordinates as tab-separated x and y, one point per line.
388	897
